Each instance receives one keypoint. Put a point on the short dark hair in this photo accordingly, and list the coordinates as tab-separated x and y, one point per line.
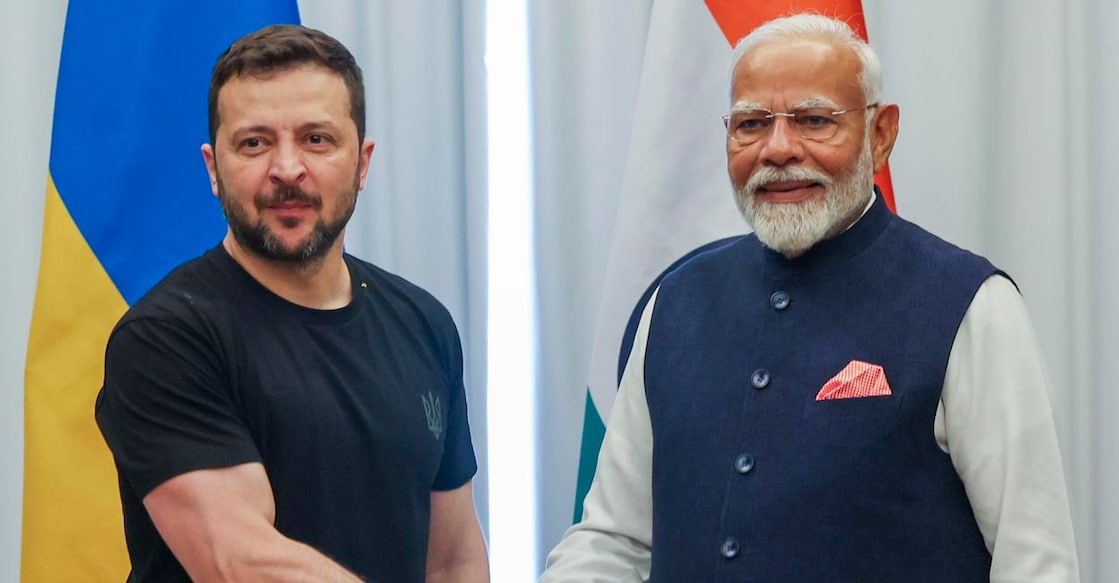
282	47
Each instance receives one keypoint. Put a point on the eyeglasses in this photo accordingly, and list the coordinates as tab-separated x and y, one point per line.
813	123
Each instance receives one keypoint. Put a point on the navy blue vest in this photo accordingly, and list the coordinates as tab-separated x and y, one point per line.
755	480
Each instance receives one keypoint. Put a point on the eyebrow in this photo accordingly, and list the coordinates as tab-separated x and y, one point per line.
315	125
257	129
816	102
810	103
741	106
269	131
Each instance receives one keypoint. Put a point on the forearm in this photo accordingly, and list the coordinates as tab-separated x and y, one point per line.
475	570
266	557
590	554
295	562
456	551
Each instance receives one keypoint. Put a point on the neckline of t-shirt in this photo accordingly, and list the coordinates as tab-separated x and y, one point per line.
274	302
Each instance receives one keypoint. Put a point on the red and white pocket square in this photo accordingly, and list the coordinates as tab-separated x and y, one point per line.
857	379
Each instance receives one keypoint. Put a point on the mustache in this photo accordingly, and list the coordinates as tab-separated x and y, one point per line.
288	193
769	174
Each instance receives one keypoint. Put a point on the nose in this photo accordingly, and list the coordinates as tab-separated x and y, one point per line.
287	164
783	145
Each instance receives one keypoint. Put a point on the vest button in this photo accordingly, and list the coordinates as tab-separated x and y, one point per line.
744	463
729	548
779	300
760	378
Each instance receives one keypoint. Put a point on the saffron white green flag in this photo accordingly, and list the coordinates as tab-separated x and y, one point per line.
676	196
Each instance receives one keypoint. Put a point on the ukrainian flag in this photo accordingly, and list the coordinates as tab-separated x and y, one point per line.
127	199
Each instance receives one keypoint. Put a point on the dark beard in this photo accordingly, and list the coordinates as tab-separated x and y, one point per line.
259	238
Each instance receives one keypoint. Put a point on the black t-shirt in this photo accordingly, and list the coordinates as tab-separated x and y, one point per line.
357	414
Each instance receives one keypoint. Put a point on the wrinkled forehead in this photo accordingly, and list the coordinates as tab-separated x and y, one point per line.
298	85
806	71
288	99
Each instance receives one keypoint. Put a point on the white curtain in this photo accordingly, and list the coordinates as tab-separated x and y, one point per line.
30	39
586	65
1007	133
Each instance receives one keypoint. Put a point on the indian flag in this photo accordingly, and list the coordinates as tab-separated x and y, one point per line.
676	197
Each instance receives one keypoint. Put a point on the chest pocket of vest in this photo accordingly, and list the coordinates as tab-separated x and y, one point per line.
855	422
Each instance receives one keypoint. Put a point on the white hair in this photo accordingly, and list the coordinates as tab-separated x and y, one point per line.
808	24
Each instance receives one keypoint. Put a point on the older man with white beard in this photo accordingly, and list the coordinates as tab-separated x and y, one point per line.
840	396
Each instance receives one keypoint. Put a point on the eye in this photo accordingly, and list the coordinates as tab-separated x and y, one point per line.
318	140
813	120
751	122
252	145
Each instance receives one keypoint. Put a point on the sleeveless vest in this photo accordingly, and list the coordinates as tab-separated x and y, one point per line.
754	479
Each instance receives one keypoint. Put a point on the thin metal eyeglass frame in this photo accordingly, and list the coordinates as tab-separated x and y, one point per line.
789	116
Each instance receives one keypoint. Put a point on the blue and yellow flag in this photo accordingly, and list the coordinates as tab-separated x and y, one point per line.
127	199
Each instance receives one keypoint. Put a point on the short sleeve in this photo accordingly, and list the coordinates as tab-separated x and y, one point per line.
458	464
165	408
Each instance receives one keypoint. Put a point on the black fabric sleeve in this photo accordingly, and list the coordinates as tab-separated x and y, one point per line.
165	408
458	464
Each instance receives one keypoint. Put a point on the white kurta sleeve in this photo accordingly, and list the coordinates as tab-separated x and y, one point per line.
612	541
996	423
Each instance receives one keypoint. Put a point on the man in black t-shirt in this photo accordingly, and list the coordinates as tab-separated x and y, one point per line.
278	409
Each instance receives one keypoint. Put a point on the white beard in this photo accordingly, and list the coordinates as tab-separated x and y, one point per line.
793	228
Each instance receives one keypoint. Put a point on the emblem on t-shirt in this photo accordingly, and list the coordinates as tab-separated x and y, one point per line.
434	413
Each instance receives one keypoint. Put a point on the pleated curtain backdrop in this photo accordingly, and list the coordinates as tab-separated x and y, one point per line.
586	66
